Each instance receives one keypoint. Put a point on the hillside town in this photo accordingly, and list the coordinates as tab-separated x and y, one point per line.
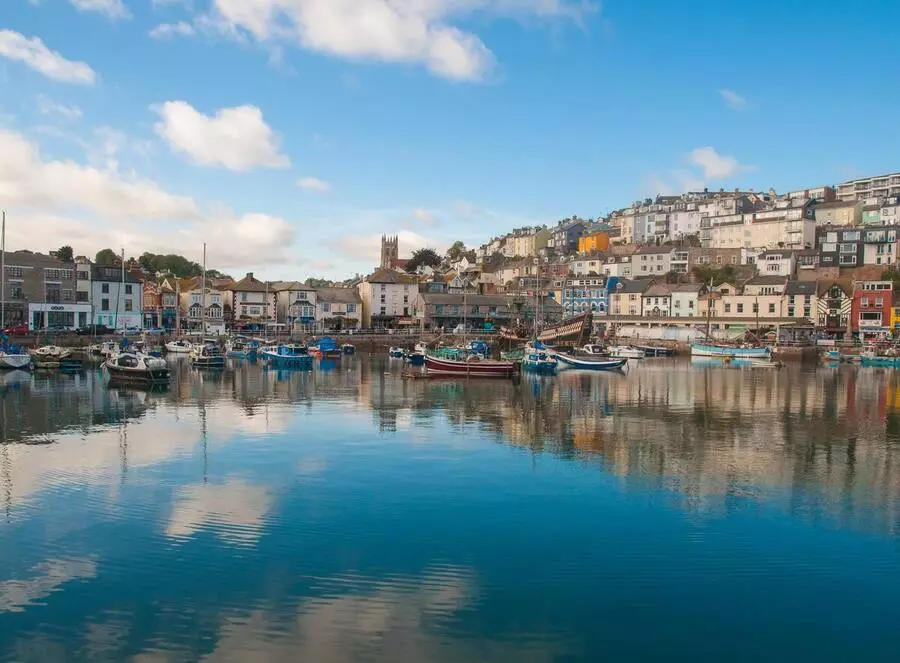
818	260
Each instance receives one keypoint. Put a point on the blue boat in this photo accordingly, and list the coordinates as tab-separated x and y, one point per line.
880	362
703	350
288	356
538	360
328	349
415	358
590	363
396	353
348	349
478	347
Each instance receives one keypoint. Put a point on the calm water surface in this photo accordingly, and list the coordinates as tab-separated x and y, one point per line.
678	512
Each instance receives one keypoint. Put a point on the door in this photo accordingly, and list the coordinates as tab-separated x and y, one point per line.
37	320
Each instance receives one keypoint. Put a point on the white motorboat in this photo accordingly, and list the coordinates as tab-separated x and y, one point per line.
11	359
134	366
105	349
625	352
594	349
207	355
180	346
51	352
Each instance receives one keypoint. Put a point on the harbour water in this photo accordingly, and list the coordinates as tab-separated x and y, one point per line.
677	512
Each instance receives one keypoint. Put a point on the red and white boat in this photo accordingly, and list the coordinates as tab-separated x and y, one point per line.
472	366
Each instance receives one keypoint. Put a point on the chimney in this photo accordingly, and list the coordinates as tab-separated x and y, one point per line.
249	276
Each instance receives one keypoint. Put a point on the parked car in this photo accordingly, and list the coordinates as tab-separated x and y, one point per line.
94	330
16	330
155	331
128	331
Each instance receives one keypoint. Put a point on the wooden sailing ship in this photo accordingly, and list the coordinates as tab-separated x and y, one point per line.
574	331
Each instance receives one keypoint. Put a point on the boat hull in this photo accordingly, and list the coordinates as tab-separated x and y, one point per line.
880	362
287	361
208	362
700	350
539	367
591	364
144	376
416	359
14	361
475	369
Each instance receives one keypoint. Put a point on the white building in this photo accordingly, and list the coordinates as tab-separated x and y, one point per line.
776	263
388	298
212	321
251	301
881	186
296	305
117	300
652	261
685	300
338	309
657	301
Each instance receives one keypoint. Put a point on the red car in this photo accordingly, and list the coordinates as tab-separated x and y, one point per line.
16	330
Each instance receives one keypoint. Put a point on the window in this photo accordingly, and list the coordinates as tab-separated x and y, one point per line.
326	307
848	248
104	304
383	310
406	299
14	272
755	307
128	288
879	301
806	311
476	310
790	311
351	308
243	296
677	303
851	236
15	291
83	276
439	309
772	308
690	303
728	308
740	308
383	299
848	260
734	260
68	295
104	288
383	287
128	305
301	295
718	260
52	293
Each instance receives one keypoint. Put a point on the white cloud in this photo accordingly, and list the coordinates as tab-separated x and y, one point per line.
415	31
714	165
367	248
17	595
733	99
426	217
235	138
235	511
164	30
114	9
33	53
314	184
46	106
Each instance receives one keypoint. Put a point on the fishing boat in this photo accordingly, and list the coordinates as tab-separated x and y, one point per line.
13	357
480	348
594	349
328	349
136	367
103	350
706	350
625	351
872	360
538	360
396	353
415	358
471	366
593	363
831	355
241	347
348	349
288	356
181	346
207	355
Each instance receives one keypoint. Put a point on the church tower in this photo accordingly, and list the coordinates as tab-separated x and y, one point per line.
390	251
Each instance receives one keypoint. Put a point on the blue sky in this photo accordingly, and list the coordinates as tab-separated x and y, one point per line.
290	134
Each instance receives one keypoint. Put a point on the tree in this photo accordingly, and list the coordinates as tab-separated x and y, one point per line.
65	253
423	258
891	274
106	258
456	251
707	273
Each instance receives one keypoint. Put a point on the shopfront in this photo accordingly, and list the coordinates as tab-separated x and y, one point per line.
45	316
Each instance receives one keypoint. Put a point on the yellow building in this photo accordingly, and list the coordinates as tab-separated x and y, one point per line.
895	317
595	242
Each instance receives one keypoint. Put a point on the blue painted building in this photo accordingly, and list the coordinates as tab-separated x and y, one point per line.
581	294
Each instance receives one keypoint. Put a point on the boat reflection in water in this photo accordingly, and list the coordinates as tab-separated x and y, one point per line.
352	515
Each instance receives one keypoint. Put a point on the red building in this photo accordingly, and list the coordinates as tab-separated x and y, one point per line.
871	310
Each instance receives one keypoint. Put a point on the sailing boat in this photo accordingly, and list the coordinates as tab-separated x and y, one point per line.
708	349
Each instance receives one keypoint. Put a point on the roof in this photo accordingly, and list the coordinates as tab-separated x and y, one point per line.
282	286
654	249
390	276
766	279
836	204
657	290
248	284
110	274
801	288
634	286
470	300
846	285
686	287
338	295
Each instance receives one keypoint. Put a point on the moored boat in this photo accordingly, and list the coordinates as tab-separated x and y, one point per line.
706	350
12	357
134	366
879	361
396	353
207	355
625	351
288	356
593	363
103	350
654	350
594	349
471	366
180	346
348	349
415	358
538	360
51	352
241	347
328	349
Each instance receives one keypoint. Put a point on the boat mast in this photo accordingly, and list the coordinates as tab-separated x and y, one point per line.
3	274
203	296
709	301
